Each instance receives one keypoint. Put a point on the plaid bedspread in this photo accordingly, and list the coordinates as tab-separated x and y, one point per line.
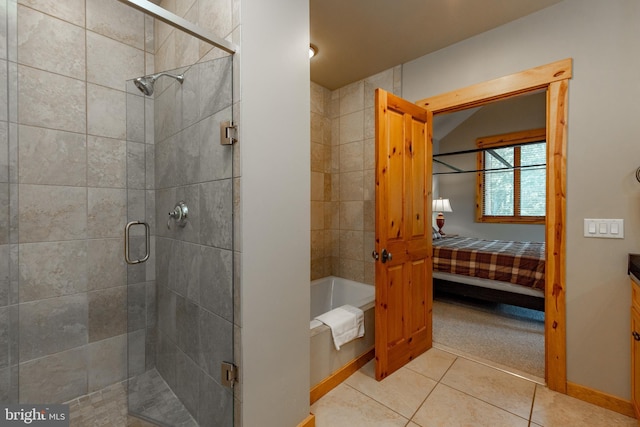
520	263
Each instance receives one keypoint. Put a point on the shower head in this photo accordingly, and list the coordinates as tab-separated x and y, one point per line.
145	83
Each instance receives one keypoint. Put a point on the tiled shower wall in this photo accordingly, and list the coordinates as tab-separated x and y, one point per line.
195	262
322	207
73	59
343	203
74	146
195	274
8	199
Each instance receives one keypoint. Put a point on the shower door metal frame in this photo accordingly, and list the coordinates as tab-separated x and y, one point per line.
181	24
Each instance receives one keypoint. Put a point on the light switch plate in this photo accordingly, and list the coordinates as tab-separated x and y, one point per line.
604	228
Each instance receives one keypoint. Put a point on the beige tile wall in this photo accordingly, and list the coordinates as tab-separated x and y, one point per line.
321	204
342	179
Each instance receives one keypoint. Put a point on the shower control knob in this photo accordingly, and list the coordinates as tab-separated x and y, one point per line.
179	215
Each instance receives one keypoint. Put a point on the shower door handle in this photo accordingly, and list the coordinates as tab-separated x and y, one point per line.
147	242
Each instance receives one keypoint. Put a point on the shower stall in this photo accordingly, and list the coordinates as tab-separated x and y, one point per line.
179	213
116	232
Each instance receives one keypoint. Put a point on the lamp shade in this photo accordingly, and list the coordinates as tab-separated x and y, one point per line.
442	205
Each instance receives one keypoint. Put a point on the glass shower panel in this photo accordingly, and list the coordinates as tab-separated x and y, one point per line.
180	301
8	206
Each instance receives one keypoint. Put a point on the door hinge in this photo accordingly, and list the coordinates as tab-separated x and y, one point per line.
228	133
228	374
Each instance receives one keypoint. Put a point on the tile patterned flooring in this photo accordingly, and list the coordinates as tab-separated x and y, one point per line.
151	397
107	407
438	389
441	389
148	395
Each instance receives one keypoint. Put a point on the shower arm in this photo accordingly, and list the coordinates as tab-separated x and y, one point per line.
179	77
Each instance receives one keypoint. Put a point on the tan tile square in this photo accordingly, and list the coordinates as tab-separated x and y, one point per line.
448	407
352	97
317	186
498	388
351	127
351	156
345	407
50	44
433	363
403	391
552	409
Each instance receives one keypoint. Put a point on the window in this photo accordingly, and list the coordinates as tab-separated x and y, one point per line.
512	178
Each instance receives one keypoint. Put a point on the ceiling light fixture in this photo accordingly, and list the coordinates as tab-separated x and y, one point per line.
313	51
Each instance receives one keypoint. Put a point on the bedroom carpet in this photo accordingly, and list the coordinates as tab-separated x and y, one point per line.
507	335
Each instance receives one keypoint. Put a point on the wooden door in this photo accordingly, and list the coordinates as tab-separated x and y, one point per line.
403	233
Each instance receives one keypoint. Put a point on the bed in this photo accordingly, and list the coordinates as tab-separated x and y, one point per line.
492	270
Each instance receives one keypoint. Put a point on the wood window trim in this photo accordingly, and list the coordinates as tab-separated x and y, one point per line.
498	141
552	78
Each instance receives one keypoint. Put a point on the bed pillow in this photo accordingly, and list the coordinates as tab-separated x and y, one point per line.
436	235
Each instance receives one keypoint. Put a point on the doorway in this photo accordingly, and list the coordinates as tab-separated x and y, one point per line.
553	79
491	154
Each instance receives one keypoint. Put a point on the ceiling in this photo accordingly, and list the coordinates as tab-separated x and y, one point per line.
359	38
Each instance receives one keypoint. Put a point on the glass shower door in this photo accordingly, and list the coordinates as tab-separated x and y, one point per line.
180	301
9	248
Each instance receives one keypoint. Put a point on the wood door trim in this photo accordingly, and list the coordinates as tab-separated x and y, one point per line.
601	399
337	377
527	81
553	78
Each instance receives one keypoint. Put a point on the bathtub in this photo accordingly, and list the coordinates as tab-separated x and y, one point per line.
329	293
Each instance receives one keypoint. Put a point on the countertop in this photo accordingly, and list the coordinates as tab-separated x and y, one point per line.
634	267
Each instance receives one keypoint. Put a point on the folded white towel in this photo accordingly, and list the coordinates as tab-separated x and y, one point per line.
346	323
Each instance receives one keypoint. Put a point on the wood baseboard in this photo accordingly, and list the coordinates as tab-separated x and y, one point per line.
310	421
340	375
601	399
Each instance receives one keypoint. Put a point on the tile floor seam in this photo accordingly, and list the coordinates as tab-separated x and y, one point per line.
431	391
437	381
497	368
378	402
457	357
484	401
424	400
534	383
449	368
533	402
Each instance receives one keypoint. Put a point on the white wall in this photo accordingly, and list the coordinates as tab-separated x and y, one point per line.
603	38
512	115
274	192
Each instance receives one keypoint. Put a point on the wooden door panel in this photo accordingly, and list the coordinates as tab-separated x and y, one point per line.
395	300
418	294
418	193
392	172
403	209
